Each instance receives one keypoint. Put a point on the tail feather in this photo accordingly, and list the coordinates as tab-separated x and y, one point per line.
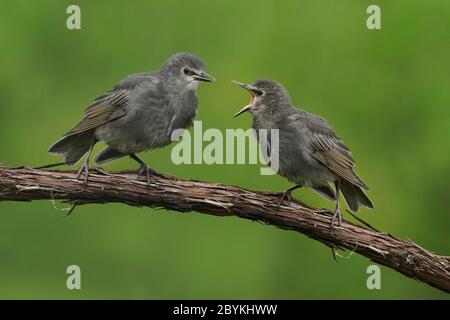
107	155
354	196
73	147
326	191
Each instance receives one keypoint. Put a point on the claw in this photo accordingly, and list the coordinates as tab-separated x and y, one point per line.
337	211
144	168
84	168
285	195
100	170
336	214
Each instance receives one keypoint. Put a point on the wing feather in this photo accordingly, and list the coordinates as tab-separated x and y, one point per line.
329	151
113	104
327	148
104	109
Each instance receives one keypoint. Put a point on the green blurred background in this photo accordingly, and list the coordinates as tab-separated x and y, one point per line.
386	92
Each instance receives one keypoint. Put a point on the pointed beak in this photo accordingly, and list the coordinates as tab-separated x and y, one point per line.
203	76
250	89
244	109
244	85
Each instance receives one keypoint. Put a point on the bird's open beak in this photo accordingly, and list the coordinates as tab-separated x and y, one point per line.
247	87
244	109
203	76
250	89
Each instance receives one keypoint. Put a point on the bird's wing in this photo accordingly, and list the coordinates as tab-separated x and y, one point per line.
104	110
331	151
110	106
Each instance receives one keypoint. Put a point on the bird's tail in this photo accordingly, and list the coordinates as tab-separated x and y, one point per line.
73	147
108	154
354	196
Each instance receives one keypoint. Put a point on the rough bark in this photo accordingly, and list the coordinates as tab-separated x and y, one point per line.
404	256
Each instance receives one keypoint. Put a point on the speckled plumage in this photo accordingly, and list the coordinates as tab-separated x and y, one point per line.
139	113
154	110
310	153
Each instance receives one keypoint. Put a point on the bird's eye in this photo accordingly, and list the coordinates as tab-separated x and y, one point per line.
188	72
259	93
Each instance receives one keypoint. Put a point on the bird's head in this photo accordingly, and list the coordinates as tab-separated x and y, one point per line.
186	69
268	96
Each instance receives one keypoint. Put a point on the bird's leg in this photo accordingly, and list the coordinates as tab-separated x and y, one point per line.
287	195
337	211
143	168
85	166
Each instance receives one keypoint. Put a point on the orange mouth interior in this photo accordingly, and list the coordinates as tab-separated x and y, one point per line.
253	99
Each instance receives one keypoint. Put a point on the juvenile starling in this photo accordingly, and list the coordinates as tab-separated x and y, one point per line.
310	153
138	114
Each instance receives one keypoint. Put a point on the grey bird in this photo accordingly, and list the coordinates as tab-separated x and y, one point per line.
138	114
310	153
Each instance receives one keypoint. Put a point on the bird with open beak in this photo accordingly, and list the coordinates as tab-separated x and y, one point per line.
310	153
138	114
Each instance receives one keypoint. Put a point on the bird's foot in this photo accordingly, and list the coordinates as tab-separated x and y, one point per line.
336	214
145	169
284	195
84	168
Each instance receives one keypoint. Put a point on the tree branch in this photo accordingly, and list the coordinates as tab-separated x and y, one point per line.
404	256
